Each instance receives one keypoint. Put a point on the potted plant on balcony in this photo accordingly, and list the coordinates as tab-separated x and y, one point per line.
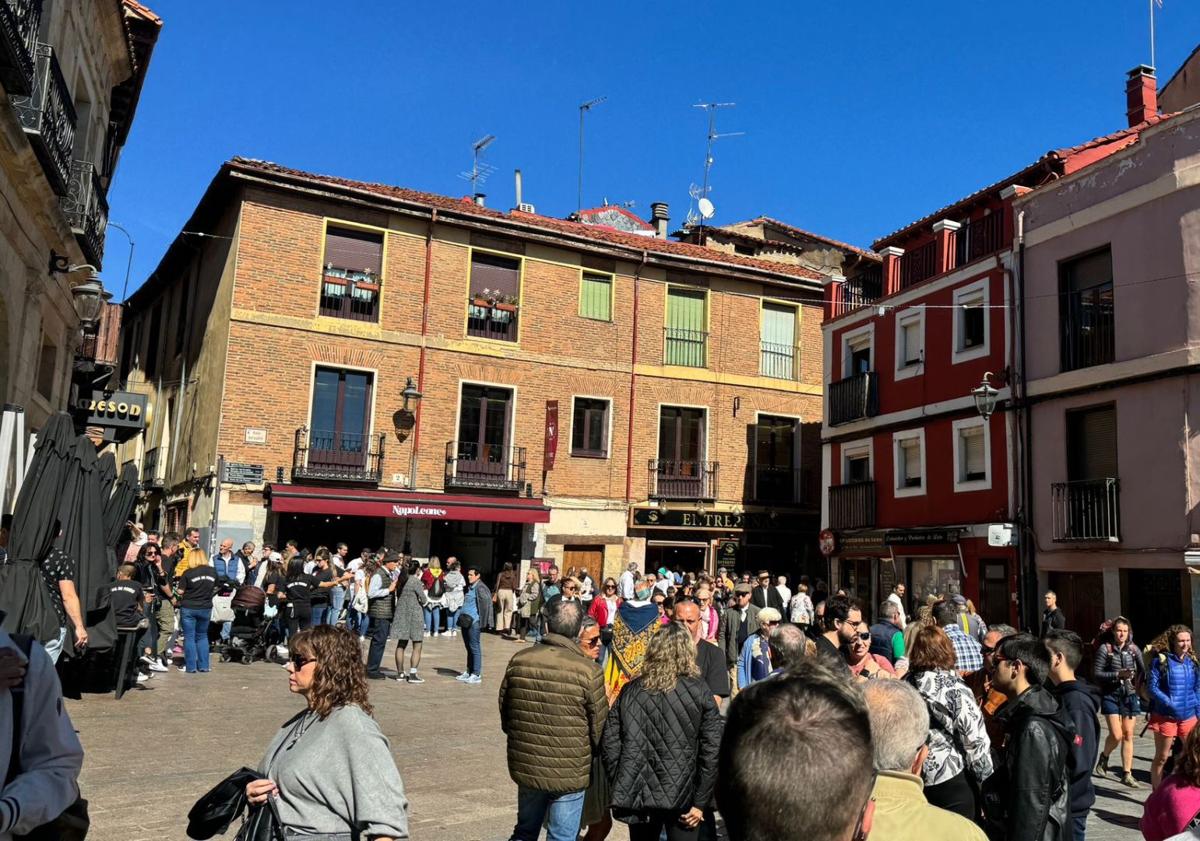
368	282
506	303
335	283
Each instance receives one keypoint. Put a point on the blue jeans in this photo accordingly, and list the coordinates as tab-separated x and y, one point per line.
54	647
194	622
380	630
337	598
452	618
319	612
470	638
357	622
560	813
1080	822
433	616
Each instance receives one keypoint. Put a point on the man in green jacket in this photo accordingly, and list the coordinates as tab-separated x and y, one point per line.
552	709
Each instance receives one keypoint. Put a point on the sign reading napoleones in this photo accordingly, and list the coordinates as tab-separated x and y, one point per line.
117	409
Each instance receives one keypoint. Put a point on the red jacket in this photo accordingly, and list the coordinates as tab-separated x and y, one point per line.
599	611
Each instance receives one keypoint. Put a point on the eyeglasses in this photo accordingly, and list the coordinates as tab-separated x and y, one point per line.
610	586
865	636
768	624
299	661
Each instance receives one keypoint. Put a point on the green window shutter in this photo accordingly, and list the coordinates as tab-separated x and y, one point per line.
778	352
687	326
595	297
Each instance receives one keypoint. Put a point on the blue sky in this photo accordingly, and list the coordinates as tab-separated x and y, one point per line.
859	116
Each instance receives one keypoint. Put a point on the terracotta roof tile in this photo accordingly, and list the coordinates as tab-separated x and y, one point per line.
800	232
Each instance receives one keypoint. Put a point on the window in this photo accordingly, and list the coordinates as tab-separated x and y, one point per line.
687	327
777	354
970	321
340	422
595	296
856	461
858	355
775	473
47	372
972	454
681	471
910	342
1086	312
589	427
495	296
909	462
1092	444
353	272
745	250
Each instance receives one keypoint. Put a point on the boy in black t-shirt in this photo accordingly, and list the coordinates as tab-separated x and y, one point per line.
126	596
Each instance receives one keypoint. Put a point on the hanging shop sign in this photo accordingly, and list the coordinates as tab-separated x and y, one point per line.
114	409
728	553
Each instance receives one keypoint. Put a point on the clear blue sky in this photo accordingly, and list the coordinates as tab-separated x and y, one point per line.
859	116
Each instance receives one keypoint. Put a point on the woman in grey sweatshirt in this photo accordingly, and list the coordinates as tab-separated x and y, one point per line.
329	771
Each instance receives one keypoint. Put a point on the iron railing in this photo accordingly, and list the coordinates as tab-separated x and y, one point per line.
979	238
852	506
474	466
87	210
780	362
853	398
683	479
864	289
19	20
48	117
150	477
918	264
344	297
688	348
492	321
1089	509
336	456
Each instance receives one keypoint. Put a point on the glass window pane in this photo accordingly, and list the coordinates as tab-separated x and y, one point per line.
325	397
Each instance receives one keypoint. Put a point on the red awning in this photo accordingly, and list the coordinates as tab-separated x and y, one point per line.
370	502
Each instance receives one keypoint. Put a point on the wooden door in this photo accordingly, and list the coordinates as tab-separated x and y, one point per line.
590	558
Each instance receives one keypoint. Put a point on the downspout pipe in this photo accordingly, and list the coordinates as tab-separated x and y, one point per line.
637	276
416	441
1027	578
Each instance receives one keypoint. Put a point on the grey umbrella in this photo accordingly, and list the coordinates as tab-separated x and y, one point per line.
81	510
119	506
24	595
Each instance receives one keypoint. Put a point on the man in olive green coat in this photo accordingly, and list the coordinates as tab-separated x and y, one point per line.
552	708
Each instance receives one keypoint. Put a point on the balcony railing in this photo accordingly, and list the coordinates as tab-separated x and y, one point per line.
87	210
1086	510
347	297
683	479
150	477
979	238
775	485
688	348
853	398
492	321
48	118
337	456
863	289
852	506
19	20
779	361
474	466
918	264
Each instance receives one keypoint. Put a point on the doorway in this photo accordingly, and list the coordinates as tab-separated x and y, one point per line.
686	557
1081	599
590	558
994	599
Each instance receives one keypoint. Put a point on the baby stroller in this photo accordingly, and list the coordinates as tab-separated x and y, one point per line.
251	632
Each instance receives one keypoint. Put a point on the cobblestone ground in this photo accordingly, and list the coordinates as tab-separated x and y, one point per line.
151	754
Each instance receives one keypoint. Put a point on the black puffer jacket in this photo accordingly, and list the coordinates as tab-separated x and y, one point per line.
1039	735
660	748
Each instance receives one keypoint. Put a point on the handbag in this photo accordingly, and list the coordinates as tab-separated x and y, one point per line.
465	622
261	824
73	823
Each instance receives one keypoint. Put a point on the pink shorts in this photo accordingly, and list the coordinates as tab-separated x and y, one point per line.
1171	727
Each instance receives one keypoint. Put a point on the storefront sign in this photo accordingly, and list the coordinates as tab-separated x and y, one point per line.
418	511
360	502
243	474
717	520
115	409
728	552
865	541
551	434
916	537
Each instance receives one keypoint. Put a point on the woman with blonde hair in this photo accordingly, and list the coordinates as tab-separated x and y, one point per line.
661	742
195	589
329	770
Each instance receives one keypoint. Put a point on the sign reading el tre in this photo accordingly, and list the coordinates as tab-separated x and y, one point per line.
118	409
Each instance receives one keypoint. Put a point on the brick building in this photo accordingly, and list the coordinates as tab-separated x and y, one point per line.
283	324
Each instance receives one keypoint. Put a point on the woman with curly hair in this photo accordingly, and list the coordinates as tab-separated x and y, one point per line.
1174	807
1174	696
329	770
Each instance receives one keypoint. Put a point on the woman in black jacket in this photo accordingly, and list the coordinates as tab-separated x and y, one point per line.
661	742
1119	672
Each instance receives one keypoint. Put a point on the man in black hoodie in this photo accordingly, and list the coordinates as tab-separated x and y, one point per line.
1035	783
1081	701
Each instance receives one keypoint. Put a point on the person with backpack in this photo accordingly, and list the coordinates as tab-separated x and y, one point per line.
1118	670
434	581
1174	696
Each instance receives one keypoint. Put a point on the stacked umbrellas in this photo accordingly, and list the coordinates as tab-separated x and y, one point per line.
81	505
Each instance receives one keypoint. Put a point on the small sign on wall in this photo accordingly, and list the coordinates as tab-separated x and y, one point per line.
255	436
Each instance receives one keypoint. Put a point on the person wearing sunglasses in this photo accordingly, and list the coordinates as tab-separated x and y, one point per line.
754	664
863	664
147	572
604	607
330	768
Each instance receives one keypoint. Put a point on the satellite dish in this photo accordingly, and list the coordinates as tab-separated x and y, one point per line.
706	208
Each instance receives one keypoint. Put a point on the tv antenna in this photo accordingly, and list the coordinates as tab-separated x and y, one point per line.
704	207
479	169
583	109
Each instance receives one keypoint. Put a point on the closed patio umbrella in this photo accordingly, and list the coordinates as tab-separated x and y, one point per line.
24	596
119	506
81	510
107	464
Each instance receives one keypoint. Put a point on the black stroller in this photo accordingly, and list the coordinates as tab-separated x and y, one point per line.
252	633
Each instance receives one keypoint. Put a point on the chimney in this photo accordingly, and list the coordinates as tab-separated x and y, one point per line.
660	217
1141	94
479	197
517	178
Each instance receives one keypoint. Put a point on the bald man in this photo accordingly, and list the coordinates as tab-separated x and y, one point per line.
709	657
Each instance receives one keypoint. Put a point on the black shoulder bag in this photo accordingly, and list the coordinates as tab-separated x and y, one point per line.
73	823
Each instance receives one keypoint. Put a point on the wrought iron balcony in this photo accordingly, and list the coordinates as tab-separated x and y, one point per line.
150	476
918	264
979	238
87	210
853	398
19	20
781	362
492	321
474	466
685	347
1087	510
48	117
333	456
863	289
345	296
852	506
683	479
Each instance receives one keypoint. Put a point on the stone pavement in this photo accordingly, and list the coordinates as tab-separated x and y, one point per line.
150	755
1118	809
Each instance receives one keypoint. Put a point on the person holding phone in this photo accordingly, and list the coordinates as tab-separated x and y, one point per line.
1119	670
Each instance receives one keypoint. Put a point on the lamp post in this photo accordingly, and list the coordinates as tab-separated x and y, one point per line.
985	397
412	402
89	299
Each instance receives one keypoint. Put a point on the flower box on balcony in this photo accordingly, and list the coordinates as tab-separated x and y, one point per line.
365	286
333	280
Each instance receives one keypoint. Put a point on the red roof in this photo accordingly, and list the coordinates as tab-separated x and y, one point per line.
580	230
138	10
632	217
800	232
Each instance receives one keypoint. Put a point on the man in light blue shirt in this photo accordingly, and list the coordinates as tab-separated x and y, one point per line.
477	604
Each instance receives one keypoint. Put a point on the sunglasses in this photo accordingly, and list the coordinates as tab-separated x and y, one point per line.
865	636
299	661
592	643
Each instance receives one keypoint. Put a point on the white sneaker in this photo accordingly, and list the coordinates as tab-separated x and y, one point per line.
426	633
464	677
474	679
156	666
141	678
453	632
182	668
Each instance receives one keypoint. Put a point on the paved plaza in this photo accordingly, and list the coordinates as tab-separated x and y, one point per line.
151	754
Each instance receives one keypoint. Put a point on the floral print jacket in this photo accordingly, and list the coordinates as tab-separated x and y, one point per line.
952	713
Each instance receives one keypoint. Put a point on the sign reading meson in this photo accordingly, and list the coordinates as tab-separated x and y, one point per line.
118	409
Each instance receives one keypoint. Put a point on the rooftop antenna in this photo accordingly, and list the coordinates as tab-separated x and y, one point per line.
583	109
479	170
705	208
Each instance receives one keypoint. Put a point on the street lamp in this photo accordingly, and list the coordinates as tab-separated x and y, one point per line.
89	299
412	399
985	397
411	396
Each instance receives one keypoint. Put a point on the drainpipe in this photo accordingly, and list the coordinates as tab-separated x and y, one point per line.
1027	571
632	384
416	442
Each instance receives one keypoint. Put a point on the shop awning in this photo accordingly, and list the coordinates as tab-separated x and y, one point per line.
359	502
